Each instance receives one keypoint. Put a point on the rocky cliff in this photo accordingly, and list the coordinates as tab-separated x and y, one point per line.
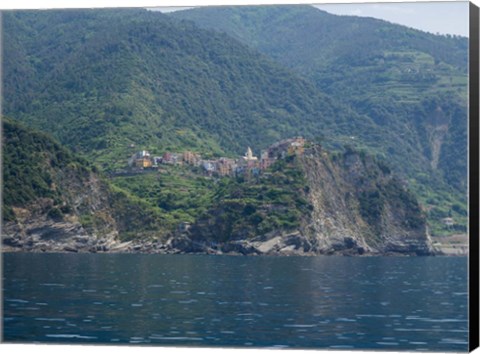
55	201
332	204
312	203
359	206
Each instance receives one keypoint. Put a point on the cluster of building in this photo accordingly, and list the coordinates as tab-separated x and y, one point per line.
223	166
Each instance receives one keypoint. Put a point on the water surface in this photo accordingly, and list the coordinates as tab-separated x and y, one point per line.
387	303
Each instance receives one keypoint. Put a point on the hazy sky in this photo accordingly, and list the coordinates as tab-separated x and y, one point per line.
441	17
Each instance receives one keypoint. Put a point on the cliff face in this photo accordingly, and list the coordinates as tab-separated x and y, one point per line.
64	223
359	207
335	204
88	216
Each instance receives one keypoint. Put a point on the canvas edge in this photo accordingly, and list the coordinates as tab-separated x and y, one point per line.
474	178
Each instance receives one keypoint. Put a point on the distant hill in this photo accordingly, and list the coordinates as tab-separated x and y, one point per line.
104	80
411	84
107	83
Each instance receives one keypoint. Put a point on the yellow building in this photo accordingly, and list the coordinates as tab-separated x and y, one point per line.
141	159
143	162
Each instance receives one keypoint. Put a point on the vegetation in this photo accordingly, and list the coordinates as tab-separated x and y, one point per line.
30	160
248	206
179	193
241	206
107	83
40	174
103	81
409	88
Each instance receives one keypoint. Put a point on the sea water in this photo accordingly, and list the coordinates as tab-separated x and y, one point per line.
385	303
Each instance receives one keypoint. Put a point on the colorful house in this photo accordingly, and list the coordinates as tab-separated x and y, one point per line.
140	159
191	158
225	166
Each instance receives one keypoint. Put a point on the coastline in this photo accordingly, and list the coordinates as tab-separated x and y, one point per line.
236	248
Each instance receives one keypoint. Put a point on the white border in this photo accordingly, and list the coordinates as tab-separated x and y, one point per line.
107	349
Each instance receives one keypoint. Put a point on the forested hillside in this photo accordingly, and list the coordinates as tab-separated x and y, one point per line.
107	83
101	81
53	199
411	84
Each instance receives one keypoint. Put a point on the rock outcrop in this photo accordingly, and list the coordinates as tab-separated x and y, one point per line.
307	204
354	206
55	201
360	207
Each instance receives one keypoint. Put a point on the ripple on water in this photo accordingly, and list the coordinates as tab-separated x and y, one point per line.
52	319
69	336
457	341
137	338
300	325
435	320
190	301
20	301
387	343
178	338
430	330
278	346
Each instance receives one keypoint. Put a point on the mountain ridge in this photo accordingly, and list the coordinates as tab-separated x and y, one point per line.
403	80
107	83
158	79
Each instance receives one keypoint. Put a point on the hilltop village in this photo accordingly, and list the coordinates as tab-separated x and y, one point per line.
223	166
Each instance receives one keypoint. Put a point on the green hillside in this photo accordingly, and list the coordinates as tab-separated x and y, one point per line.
412	85
107	83
48	182
28	161
345	52
399	77
103	80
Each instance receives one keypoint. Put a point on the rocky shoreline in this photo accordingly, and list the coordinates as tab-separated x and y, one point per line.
36	232
293	244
